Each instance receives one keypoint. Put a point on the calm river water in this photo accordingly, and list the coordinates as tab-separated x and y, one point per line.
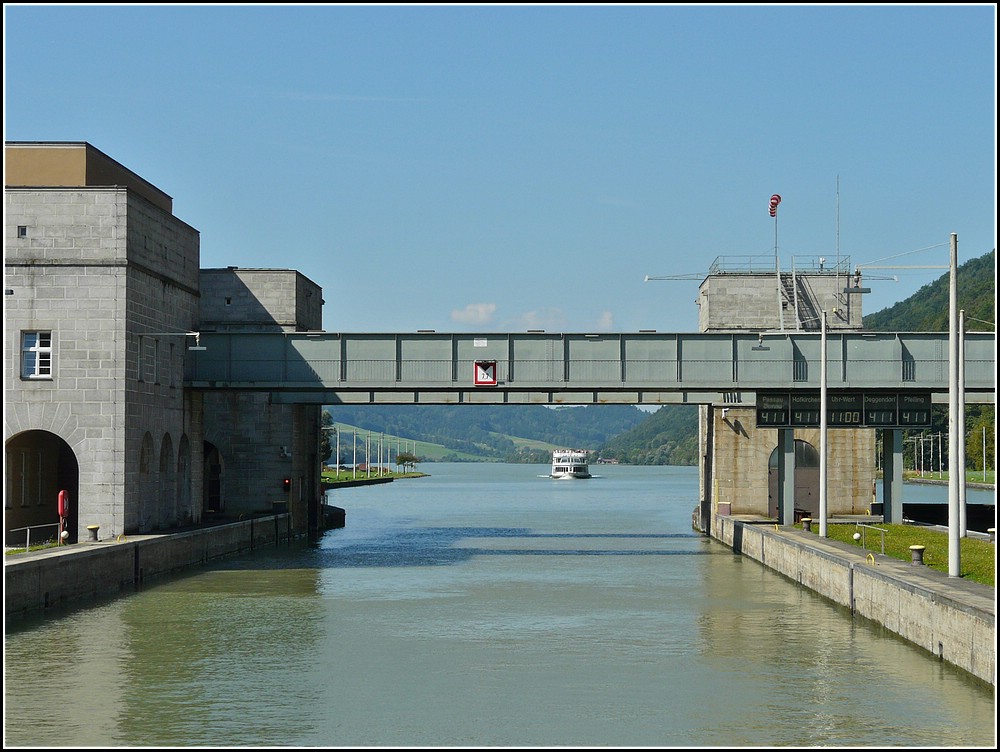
486	606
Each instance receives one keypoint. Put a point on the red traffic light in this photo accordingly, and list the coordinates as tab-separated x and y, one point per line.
286	484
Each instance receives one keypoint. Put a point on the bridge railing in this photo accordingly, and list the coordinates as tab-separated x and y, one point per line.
695	373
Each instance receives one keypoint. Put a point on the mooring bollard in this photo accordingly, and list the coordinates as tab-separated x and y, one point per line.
92	529
807	524
916	555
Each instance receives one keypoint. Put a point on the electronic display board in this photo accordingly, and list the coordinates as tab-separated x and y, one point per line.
880	409
845	410
772	410
914	410
850	409
804	409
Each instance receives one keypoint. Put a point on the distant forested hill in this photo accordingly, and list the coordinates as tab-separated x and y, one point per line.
492	431
667	437
927	309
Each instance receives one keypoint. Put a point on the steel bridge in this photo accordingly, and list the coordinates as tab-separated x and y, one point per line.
767	370
643	368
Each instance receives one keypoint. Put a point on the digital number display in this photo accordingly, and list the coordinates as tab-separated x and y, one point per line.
880	417
880	409
805	417
914	410
914	417
772	410
772	417
805	409
843	418
844	410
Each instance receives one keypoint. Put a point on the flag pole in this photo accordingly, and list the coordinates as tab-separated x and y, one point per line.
775	200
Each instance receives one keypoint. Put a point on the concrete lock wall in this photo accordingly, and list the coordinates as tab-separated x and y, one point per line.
951	630
87	571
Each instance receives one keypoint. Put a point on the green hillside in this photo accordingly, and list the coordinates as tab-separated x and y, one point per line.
492	433
668	437
927	310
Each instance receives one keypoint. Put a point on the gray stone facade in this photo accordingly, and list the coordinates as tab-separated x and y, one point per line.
111	277
754	301
102	303
736	457
263	455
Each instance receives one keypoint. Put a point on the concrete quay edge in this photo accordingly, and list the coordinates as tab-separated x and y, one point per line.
35	581
952	618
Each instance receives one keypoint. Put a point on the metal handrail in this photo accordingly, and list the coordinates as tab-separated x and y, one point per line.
27	535
881	530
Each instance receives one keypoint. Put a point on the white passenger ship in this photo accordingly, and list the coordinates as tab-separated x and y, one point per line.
569	463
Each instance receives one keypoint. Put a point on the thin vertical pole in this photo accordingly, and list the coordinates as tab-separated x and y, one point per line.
959	449
777	274
822	431
954	538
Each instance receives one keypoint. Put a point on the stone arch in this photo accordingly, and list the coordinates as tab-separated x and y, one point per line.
38	464
806	479
147	485
185	510
166	496
213	497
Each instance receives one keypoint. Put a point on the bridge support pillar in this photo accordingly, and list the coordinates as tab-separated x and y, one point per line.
892	475
786	476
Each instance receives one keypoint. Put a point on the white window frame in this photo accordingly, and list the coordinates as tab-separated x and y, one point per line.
36	355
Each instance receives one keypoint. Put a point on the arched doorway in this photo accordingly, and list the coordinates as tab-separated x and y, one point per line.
166	497
184	512
806	479
213	500
39	465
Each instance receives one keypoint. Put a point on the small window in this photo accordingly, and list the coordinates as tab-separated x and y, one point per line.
22	231
36	355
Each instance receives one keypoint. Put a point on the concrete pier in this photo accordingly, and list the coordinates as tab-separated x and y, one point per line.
952	618
65	575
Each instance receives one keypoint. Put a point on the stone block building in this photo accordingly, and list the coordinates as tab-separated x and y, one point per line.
739	460
102	301
257	449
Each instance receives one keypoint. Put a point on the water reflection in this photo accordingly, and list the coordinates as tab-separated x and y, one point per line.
484	607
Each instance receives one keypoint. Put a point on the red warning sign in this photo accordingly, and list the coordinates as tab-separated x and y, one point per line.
486	373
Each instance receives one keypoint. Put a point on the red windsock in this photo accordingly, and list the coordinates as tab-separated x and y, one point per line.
775	200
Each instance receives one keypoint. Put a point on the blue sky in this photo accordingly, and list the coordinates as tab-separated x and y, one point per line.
502	168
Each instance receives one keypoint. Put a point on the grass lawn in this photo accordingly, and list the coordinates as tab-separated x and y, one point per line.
977	557
330	475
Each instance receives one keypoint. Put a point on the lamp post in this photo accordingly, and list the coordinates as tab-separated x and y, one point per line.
956	422
822	429
959	451
954	431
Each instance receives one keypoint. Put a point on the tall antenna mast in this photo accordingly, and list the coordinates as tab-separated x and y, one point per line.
838	223
775	200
